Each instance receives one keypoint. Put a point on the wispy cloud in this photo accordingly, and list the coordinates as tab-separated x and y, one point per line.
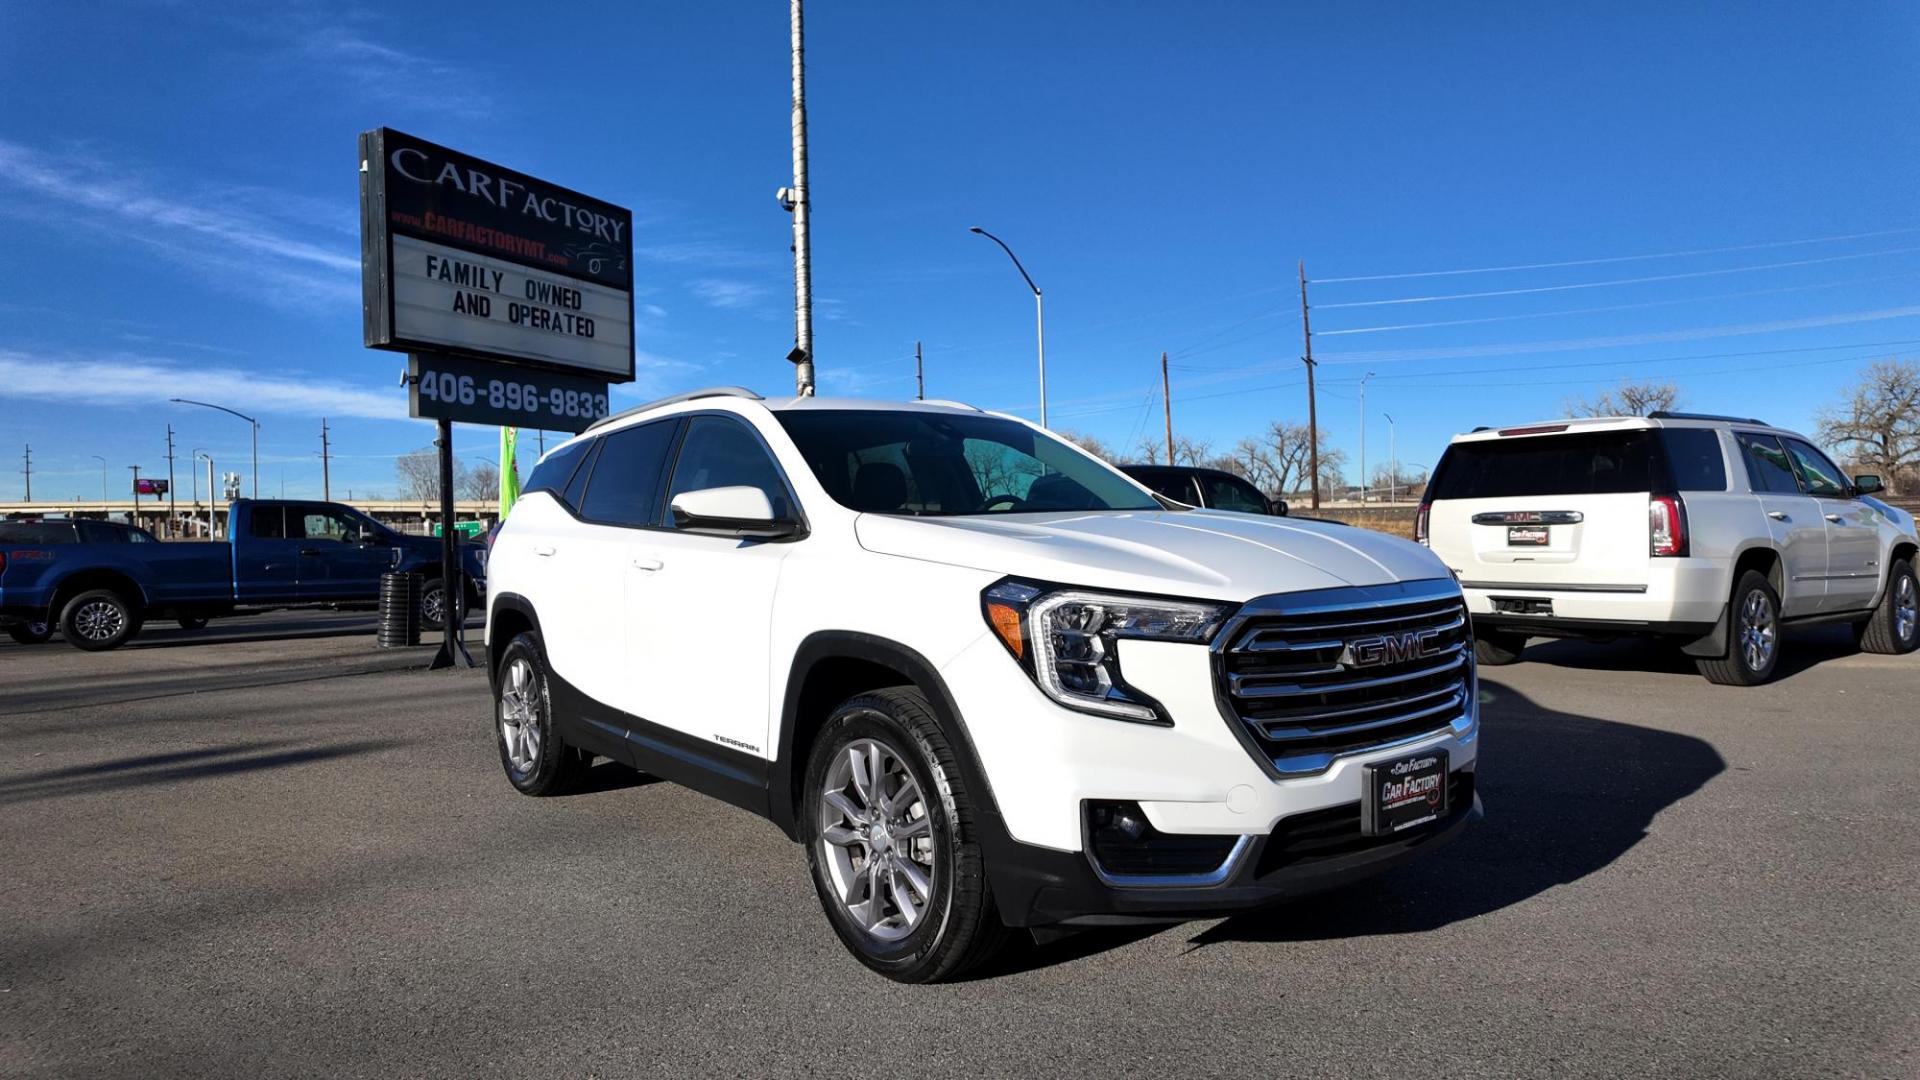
240	244
728	293
384	73
131	379
704	253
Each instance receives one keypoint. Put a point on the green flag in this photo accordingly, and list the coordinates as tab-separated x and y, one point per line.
509	469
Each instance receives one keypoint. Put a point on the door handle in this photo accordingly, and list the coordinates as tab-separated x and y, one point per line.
1778	515
544	551
647	562
1836	519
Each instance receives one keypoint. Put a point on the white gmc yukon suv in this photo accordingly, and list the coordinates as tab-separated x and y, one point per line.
985	679
1709	531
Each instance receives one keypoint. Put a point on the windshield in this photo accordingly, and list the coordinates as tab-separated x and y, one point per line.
935	464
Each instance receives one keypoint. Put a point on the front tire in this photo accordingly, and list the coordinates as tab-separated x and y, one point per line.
1894	629
433	604
889	828
30	633
1496	648
536	761
1753	635
98	620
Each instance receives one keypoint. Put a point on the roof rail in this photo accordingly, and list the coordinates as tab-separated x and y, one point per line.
1668	414
671	399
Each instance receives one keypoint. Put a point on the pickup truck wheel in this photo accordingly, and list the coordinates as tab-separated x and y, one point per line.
1753	635
888	824
433	605
30	633
192	622
1894	628
1496	648
537	762
98	620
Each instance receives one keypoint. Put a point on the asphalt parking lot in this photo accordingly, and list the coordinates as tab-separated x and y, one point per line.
273	849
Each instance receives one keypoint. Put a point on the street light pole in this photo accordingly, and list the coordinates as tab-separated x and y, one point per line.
1039	316
103	481
194	456
255	424
1363	437
1393	462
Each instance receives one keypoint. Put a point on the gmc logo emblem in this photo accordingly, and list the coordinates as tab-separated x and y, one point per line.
1389	648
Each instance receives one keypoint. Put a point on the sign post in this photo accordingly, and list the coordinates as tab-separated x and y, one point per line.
512	295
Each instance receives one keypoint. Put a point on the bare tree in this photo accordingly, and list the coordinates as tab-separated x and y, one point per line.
1401	481
482	482
1092	444
1186	451
419	474
1878	425
1628	399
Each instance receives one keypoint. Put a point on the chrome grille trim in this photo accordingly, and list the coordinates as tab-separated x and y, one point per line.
1288	683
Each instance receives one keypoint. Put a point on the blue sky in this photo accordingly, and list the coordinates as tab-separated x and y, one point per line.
179	208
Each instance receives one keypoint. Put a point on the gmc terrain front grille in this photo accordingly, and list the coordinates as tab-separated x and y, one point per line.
1311	677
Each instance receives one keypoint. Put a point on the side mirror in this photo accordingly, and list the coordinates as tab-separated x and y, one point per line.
742	512
1277	507
1867	485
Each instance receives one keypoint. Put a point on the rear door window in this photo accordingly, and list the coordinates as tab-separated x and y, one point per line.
1767	466
625	486
268	523
1591	463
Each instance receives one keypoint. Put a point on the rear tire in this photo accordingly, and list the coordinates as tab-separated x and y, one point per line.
433	604
30	633
98	620
535	758
192	622
1894	628
1497	648
893	850
1753	635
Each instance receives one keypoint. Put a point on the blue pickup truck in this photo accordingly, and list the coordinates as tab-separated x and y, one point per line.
97	583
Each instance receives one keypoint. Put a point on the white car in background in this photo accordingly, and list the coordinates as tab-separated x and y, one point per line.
1711	531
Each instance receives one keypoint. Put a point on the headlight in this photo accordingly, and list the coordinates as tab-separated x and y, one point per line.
1065	638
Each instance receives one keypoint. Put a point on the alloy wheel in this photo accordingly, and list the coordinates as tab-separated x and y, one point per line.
1906	608
100	620
1759	631
433	607
519	718
876	839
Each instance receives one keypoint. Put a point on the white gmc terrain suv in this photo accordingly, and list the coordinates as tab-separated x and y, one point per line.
1709	531
985	679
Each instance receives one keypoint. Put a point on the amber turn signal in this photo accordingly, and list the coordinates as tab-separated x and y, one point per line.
1006	622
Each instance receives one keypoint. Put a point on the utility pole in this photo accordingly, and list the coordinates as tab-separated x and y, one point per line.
919	374
1393	463
798	202
326	475
28	470
173	506
136	495
1313	415
1166	396
1363	437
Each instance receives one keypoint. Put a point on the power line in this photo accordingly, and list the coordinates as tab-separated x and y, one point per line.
1617	281
1615	307
1743	369
1664	359
1612	259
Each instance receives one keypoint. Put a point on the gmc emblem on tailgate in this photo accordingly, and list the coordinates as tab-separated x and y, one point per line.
1389	648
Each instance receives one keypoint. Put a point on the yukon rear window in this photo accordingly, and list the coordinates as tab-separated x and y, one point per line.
1596	463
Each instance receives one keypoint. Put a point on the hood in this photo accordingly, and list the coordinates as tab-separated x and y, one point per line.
1201	553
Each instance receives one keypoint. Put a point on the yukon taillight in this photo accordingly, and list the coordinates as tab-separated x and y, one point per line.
1420	522
1667	525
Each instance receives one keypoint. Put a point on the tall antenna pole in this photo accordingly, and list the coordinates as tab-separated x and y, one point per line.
326	472
919	374
173	506
1313	413
799	202
1166	396
1363	436
28	470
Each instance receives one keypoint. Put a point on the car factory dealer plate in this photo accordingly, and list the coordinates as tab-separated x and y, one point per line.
1404	792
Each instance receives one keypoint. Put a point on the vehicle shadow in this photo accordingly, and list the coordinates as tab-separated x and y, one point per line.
1565	796
150	770
1801	648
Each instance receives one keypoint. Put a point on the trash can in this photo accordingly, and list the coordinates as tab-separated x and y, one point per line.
399	610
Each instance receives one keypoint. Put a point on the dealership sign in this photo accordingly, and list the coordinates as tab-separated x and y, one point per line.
462	256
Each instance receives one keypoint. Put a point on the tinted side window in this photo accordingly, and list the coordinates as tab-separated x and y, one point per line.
577	487
36	532
719	452
1767	465
1693	459
268	523
625	486
94	532
1822	477
1174	486
553	473
1232	493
